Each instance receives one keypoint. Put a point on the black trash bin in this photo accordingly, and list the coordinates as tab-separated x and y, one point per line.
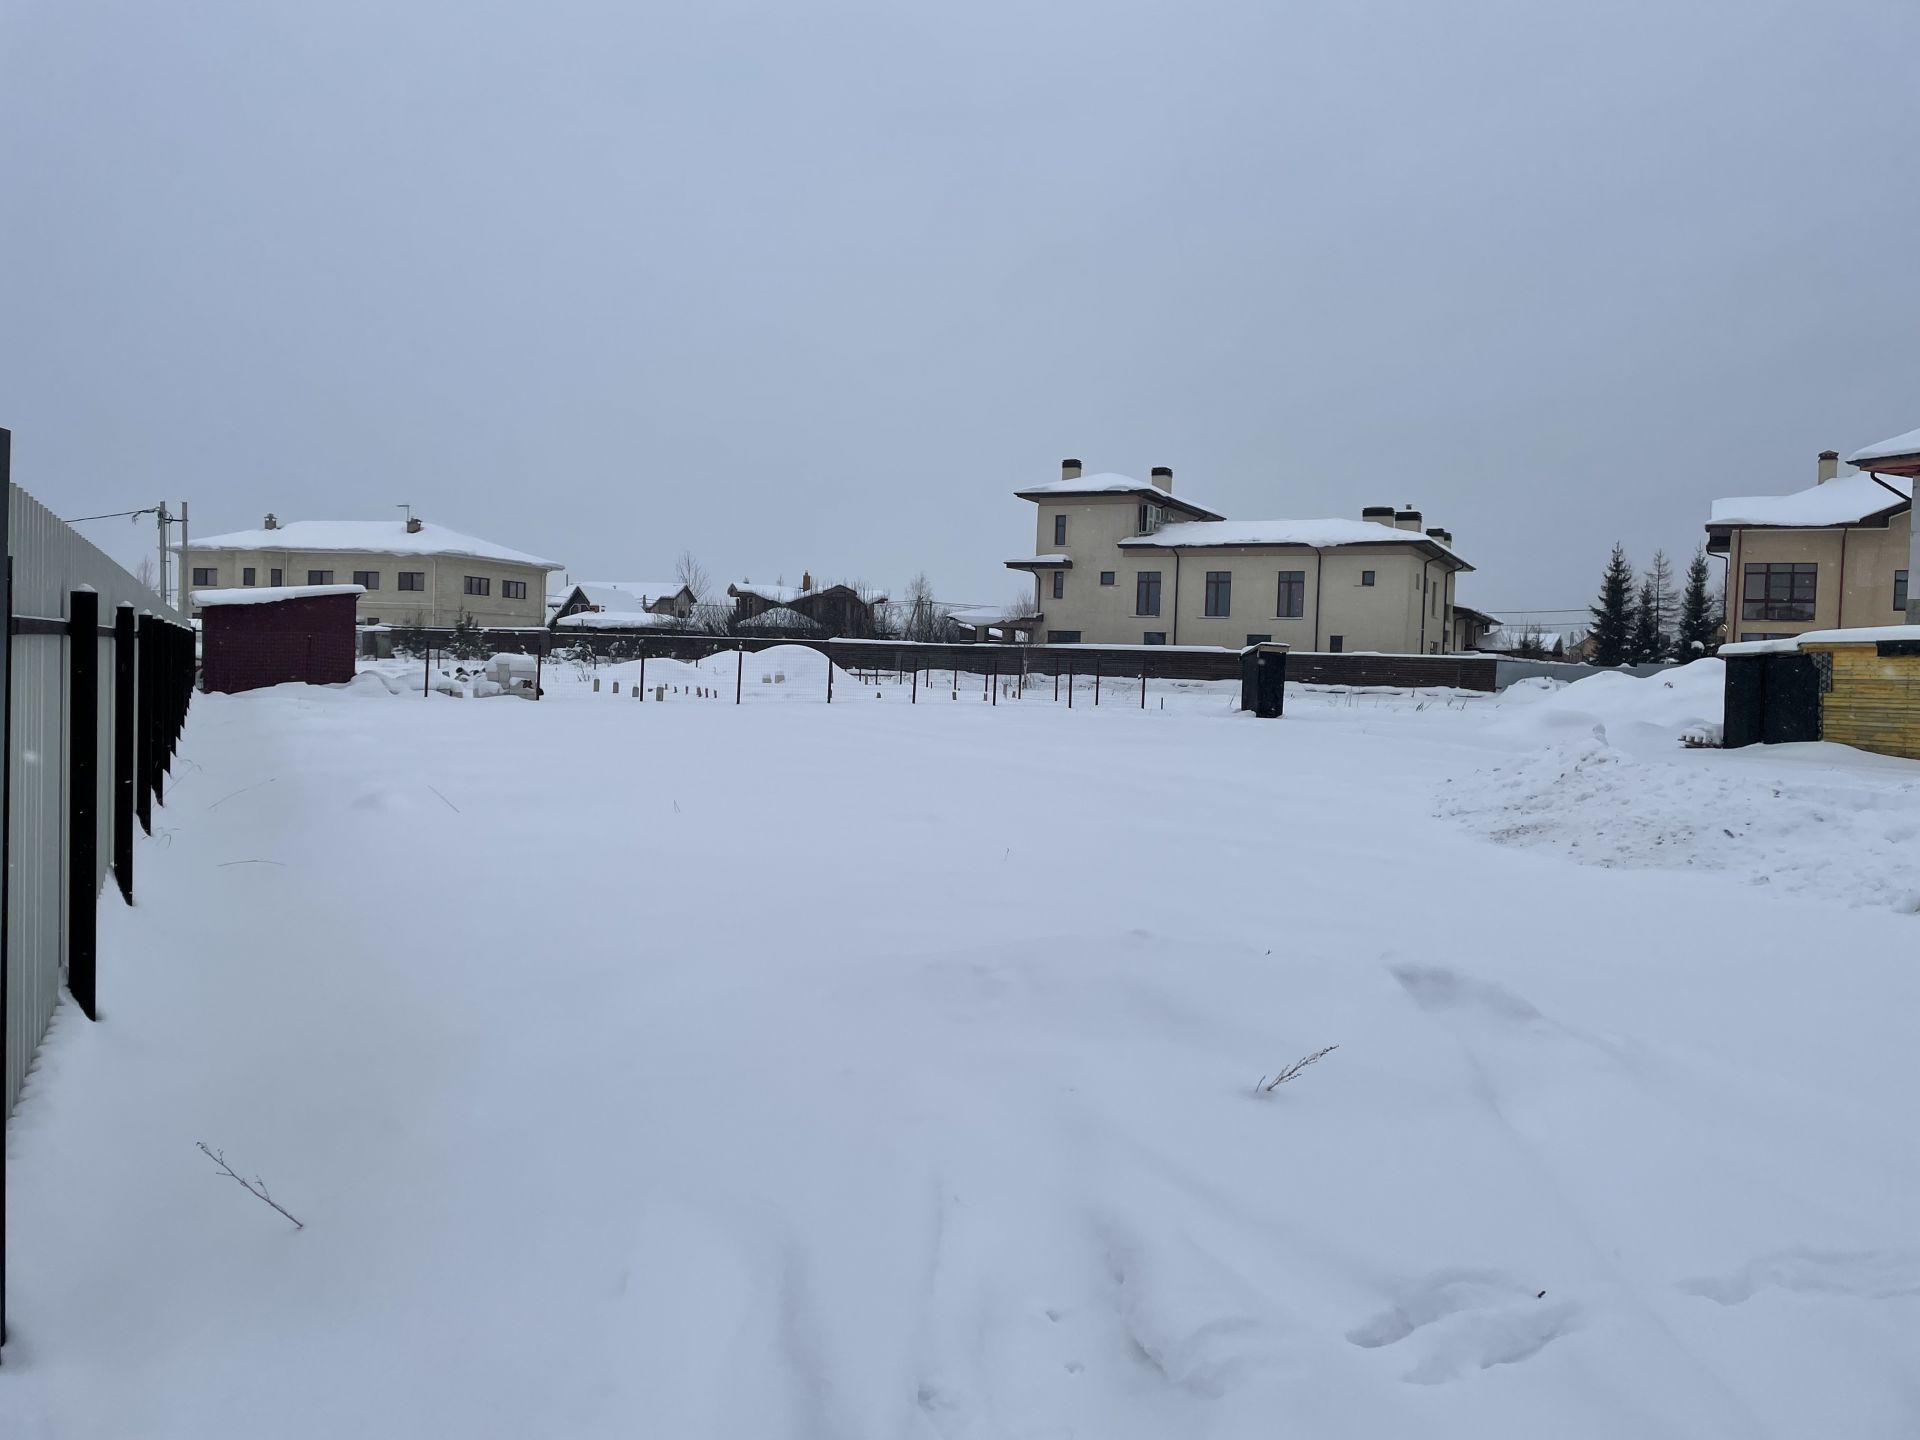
1263	679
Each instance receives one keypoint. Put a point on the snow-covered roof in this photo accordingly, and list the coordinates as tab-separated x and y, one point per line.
1108	483
779	618
1319	534
627	594
270	594
978	615
1062	562
374	537
1844	500
1859	635
787	594
619	620
1512	637
1907	444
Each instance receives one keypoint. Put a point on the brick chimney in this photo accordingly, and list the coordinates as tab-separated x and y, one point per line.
1163	478
1069	469
1829	466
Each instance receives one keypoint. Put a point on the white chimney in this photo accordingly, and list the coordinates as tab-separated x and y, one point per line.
1378	515
1069	469
1829	466
1163	478
1406	519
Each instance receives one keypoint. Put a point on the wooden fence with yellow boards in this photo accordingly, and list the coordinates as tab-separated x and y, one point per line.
1870	693
97	674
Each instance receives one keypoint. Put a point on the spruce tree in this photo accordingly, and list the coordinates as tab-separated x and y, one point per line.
1644	641
467	641
1613	616
1665	611
1699	624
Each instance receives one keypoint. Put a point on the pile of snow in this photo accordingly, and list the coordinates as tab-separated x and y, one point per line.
1662	707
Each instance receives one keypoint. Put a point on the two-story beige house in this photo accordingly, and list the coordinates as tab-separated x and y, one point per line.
1832	556
1897	459
411	571
1121	562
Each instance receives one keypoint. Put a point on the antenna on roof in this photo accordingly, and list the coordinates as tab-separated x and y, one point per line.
406	507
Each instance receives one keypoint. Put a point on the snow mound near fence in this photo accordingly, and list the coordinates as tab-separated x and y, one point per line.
1688	699
1817	820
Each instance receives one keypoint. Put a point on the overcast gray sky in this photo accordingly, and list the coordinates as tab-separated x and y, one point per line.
816	286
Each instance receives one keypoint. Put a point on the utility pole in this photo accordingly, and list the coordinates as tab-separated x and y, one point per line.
186	597
161	586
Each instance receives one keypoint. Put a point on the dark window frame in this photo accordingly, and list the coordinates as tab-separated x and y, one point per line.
1900	591
1259	639
1063	637
367	579
1368	578
1218	599
276	577
513	589
1059	529
208	575
479	585
319	577
418	577
1146	592
1107	577
249	575
1153	637
1780	596
1336	644
1059	584
1290	595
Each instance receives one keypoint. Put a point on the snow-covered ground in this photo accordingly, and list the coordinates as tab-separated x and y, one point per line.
889	1070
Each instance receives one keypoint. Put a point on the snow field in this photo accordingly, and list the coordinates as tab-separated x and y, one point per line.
875	1070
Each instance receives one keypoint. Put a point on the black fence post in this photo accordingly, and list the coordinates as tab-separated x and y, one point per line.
740	672
144	722
123	764
83	792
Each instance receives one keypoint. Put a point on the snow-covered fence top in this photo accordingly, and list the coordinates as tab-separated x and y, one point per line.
271	594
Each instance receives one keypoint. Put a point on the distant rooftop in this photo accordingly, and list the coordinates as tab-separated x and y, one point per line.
1843	500
1899	445
374	537
1111	484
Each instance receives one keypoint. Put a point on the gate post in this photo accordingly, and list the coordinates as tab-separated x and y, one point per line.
123	765
83	792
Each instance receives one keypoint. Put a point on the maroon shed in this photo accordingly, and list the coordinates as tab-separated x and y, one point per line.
269	635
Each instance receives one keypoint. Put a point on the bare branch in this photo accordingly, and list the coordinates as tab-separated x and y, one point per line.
1266	1086
255	1187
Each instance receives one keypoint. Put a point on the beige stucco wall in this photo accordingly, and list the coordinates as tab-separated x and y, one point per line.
1385	616
440	603
1866	597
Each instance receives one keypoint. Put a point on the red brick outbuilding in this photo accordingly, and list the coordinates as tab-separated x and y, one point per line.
272	635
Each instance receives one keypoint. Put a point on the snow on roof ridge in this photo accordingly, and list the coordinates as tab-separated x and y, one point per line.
375	537
1843	500
1907	444
1320	533
271	594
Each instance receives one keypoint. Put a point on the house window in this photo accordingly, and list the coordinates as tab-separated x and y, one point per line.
1063	637
1336	643
1292	601
1779	592
1366	577
413	579
205	577
249	575
1151	518
1146	592
1219	592
1106	577
1259	639
1059	584
1900	591
319	577
1059	529
367	579
1155	637
479	585
276	577
513	589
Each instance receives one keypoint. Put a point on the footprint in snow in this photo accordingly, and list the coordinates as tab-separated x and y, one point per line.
1460	1321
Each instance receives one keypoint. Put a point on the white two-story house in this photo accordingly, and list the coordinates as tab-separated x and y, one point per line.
1117	561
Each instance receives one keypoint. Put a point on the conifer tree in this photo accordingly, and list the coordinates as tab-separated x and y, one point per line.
1699	624
1613	615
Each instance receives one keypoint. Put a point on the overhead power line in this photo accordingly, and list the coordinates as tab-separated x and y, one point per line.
114	515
